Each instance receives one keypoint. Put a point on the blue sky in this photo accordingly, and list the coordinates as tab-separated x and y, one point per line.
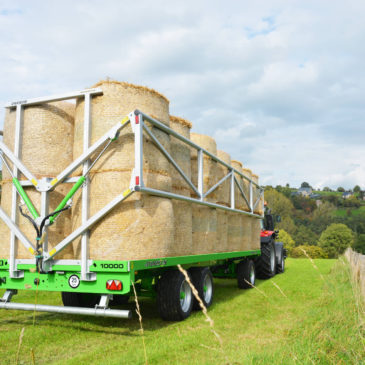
279	84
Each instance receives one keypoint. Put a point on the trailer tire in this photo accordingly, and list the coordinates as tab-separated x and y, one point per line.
246	275
202	280
174	296
120	299
266	263
87	300
70	299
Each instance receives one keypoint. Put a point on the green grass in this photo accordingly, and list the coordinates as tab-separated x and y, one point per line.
328	193
342	212
312	321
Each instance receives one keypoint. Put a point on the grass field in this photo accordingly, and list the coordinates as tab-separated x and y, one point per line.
304	316
343	211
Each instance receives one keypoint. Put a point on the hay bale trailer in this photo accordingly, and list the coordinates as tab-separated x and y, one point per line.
107	196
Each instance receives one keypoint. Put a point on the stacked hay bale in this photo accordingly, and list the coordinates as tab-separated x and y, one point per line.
235	219
223	198
141	227
204	218
246	221
256	223
47	141
246	187
180	152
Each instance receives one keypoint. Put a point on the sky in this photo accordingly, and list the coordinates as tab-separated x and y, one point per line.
280	85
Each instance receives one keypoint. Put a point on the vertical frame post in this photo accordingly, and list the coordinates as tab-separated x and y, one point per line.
85	274
137	124
232	190
200	174
44	212
14	273
251	196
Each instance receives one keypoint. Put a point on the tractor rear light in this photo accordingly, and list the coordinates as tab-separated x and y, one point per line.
114	285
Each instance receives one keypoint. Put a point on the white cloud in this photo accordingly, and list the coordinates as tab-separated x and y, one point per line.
279	85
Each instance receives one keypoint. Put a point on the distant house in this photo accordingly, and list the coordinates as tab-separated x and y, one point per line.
347	194
307	192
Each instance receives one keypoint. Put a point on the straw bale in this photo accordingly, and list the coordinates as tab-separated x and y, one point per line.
180	152
238	198
225	188
246	223
255	233
143	226
209	165
204	218
234	231
204	229
256	193
47	141
246	186
223	199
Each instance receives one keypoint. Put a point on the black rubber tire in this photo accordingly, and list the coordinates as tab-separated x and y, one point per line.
246	275
70	299
86	300
265	268
169	298
199	275
280	266
120	299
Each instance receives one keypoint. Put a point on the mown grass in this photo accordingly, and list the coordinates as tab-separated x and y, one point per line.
313	318
342	212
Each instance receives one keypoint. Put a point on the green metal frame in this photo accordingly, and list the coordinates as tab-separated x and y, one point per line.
141	272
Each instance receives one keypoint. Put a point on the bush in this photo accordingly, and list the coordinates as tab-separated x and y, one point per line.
286	238
335	239
313	252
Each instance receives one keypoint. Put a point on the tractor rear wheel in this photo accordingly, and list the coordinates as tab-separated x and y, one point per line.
266	263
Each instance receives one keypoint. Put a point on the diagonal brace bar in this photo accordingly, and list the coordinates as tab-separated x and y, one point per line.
168	156
111	134
242	192
18	233
221	181
18	164
96	217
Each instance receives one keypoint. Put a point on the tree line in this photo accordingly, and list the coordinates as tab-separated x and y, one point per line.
316	225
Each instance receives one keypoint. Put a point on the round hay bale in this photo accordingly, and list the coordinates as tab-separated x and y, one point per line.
223	199
180	152
234	231
238	198
256	194
246	187
225	188
204	218
46	151
246	226
255	234
141	227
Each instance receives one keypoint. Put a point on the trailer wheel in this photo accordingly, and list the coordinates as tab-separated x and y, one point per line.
70	299
87	300
202	279
120	299
246	275
174	296
266	263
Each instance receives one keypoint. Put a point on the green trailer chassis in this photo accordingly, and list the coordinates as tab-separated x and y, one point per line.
66	278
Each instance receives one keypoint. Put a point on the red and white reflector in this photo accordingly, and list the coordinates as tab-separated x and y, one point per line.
137	180
114	285
137	119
